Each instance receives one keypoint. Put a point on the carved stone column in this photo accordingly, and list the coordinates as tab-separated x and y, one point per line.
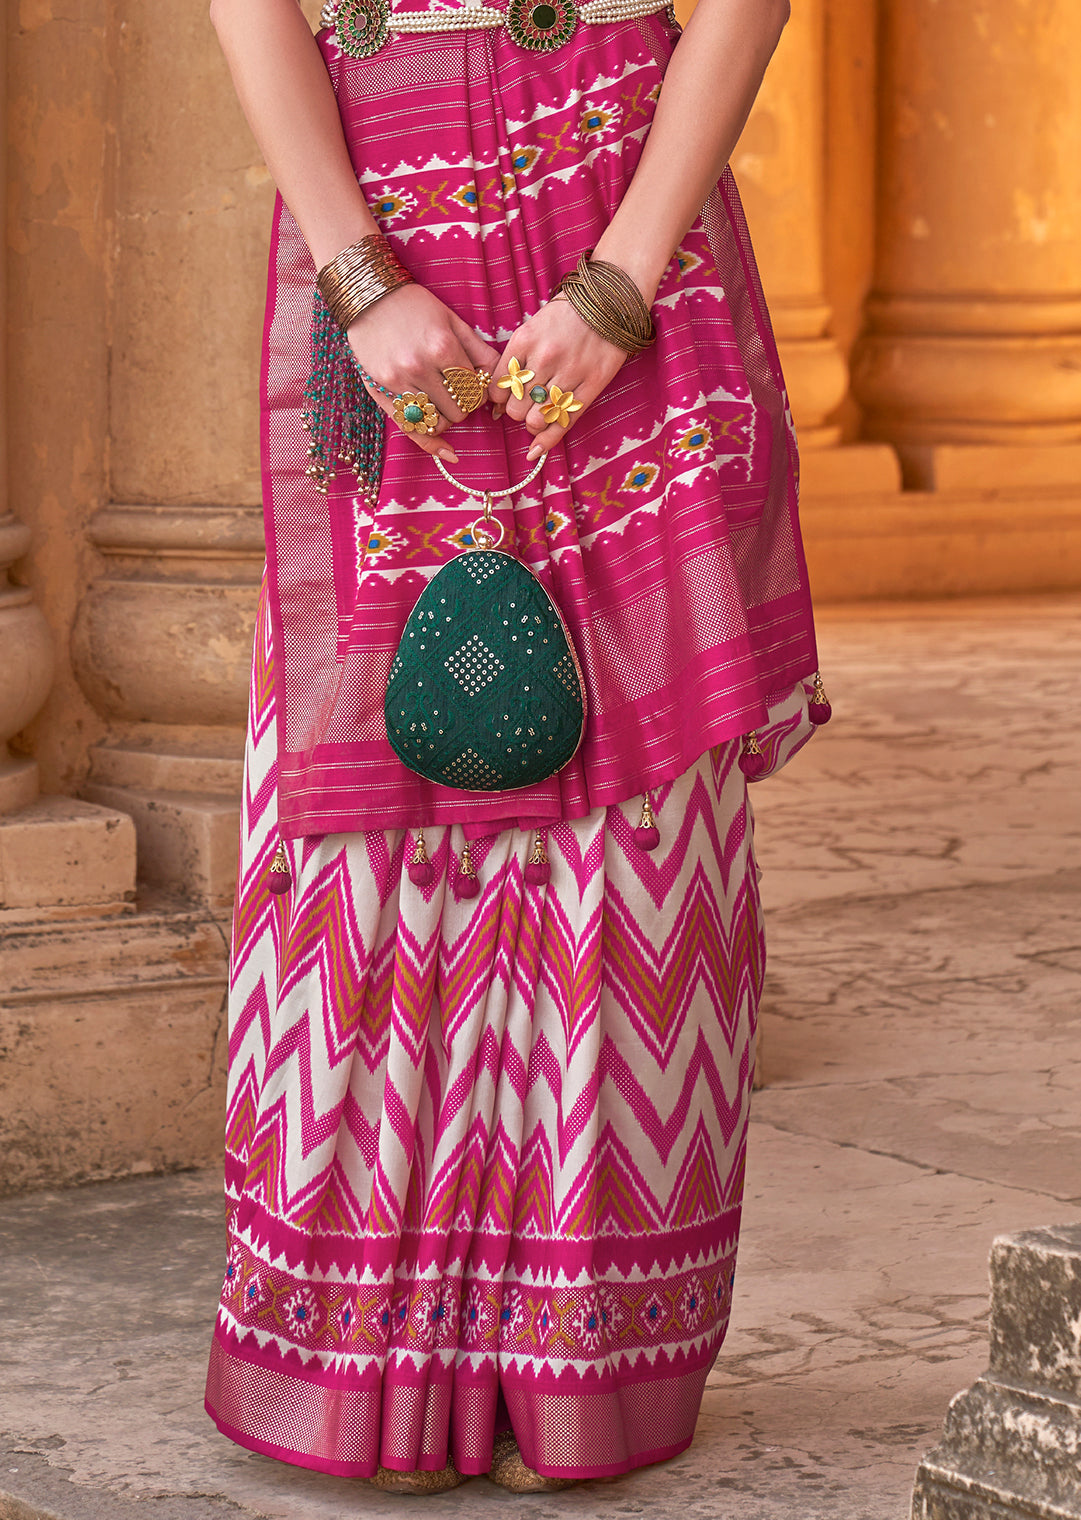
779	165
26	668
162	647
163	639
59	857
976	320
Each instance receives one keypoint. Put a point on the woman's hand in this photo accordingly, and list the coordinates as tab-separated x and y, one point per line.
560	350
404	341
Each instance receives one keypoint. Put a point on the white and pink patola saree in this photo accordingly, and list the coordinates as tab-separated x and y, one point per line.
485	1157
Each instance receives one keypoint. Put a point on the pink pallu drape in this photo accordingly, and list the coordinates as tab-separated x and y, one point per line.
665	526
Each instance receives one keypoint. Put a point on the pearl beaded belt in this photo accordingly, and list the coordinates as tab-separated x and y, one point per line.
540	26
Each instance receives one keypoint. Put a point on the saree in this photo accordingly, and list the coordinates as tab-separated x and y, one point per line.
484	1160
484	1157
665	524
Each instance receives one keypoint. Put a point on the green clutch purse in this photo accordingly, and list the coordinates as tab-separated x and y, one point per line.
485	692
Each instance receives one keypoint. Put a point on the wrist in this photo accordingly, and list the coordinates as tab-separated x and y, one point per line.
645	268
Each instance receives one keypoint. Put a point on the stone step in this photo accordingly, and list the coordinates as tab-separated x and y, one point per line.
1011	1445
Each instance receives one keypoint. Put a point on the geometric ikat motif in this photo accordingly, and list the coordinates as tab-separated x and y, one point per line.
483	1155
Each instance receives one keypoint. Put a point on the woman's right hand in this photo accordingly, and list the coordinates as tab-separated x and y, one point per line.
404	341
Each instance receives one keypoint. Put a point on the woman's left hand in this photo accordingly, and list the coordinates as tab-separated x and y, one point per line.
561	350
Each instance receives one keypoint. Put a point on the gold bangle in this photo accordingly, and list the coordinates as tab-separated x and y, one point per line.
608	301
360	275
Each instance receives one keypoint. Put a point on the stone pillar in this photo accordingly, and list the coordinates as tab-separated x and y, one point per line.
163	647
976	321
1012	1442
779	164
26	666
162	643
58	856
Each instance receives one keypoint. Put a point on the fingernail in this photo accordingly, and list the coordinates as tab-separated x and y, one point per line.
449	455
535	452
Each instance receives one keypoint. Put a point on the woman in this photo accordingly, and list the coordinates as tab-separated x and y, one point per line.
490	1055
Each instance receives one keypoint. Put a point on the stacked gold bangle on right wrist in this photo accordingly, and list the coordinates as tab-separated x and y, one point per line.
608	301
361	275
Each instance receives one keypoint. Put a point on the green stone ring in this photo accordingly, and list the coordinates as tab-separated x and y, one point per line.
414	412
538	394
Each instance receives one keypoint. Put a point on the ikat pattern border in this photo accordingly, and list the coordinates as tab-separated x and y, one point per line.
586	1325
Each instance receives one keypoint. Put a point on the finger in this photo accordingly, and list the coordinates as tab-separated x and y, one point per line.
461	358
580	395
431	443
481	354
546	441
551	433
428	443
498	394
444	403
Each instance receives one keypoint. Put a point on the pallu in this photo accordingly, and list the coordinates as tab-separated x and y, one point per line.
664	525
485	1158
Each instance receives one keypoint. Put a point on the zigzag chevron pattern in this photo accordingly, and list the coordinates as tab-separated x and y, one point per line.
504	1135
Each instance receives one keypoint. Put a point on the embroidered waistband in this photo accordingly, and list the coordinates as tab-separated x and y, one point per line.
540	26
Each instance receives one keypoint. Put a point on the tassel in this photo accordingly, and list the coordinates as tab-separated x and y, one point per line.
538	871
647	836
752	762
466	884
344	424
819	710
281	878
421	870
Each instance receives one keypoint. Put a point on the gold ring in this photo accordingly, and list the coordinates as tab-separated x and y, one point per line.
516	380
414	413
468	388
560	406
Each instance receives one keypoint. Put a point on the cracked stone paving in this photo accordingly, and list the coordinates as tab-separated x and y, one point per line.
922	1094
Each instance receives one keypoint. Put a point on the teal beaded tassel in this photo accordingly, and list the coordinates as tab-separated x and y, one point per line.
339	413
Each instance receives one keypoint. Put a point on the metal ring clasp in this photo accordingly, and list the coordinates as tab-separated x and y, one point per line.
482	526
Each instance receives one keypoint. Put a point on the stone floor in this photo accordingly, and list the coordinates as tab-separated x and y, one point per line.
922	1057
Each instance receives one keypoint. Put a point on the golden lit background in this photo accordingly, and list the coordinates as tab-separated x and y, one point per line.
913	181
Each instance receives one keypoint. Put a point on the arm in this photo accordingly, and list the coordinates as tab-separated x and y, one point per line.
407	337
709	89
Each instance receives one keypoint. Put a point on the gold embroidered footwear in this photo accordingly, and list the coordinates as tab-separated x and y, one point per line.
510	1472
417	1482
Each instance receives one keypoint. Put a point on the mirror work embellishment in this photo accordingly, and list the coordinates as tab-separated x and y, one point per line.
362	26
541	26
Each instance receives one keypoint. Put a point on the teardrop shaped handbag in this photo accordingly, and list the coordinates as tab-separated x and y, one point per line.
485	692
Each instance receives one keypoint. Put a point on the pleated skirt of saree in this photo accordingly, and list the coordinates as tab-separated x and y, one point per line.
485	1158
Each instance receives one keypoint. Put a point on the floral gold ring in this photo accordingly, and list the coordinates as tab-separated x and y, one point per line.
560	406
515	380
414	412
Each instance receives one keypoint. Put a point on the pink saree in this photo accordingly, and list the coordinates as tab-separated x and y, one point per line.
485	1158
665	527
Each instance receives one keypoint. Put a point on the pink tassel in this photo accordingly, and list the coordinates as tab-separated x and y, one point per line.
538	871
647	836
819	710
466	885
280	879
752	762
421	870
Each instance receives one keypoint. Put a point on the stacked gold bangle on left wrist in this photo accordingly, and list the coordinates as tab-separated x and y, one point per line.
608	301
360	275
